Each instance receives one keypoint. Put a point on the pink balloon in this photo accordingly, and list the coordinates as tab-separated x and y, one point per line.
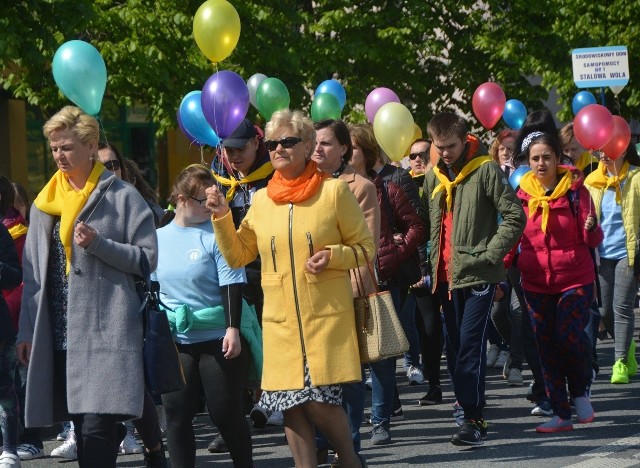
620	138
593	126
376	99
488	104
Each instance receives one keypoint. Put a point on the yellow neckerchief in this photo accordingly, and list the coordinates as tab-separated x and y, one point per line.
17	231
448	185
531	185
58	198
584	160
600	178
260	173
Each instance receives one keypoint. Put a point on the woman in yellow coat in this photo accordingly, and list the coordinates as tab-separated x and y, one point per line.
303	226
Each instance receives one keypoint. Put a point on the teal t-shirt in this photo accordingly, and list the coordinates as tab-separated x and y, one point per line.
614	244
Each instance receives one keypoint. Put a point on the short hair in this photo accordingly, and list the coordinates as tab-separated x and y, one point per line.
550	140
84	126
296	120
421	140
7	195
504	134
123	168
341	132
445	125
190	181
366	140
566	134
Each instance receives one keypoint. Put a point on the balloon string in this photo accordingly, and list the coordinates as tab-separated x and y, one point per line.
102	130
202	156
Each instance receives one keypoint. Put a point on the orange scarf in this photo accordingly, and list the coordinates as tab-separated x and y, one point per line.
296	190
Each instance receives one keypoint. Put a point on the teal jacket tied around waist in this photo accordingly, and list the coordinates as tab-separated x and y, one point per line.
182	319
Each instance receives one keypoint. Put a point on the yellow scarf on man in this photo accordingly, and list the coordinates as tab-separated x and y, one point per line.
58	198
531	185
260	173
600	179
448	185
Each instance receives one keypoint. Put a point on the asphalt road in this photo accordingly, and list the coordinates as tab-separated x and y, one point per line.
612	440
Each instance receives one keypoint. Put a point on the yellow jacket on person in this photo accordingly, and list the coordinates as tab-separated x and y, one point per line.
304	314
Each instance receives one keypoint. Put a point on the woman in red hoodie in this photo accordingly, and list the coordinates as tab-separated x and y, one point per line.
557	273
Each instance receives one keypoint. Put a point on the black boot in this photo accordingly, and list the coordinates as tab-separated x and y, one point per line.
155	459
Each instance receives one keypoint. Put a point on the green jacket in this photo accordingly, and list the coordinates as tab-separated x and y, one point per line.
479	241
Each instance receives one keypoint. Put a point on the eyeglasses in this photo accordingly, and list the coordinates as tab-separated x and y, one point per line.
421	155
288	142
113	165
198	200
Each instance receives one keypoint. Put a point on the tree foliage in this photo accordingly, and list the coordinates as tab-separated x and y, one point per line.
433	54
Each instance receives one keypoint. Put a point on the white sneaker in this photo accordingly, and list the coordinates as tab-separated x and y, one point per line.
492	355
9	460
68	450
29	452
130	444
415	375
276	419
502	359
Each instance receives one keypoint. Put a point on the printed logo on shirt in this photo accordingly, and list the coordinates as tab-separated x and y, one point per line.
480	290
194	256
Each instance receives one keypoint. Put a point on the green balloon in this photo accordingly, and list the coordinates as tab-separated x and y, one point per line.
272	95
325	106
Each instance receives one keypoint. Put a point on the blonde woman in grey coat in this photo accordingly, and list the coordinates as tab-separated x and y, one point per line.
79	319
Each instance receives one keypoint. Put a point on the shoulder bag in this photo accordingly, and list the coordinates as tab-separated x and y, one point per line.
380	333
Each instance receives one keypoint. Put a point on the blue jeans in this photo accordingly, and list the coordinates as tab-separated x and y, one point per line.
407	316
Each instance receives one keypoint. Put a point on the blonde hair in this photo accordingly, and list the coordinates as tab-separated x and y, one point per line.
566	134
296	120
84	126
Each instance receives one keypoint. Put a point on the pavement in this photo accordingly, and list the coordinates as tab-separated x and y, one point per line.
423	438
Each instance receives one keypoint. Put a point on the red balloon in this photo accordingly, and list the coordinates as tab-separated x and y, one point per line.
488	104
620	139
593	126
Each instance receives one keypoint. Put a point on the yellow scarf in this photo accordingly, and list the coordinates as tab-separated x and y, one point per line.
260	173
601	179
58	198
585	159
17	231
531	185
448	185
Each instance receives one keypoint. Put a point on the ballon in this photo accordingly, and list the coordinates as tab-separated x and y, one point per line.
516	176
593	126
376	99
225	101
582	99
514	114
272	96
80	73
325	106
393	129
488	104
616	89
333	87
193	120
190	137
620	138
252	85
216	29
417	134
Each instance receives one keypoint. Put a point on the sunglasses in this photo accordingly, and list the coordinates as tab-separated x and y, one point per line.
421	155
288	142
112	165
198	200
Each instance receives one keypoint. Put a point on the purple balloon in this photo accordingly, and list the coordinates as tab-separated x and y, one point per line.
225	101
376	99
186	133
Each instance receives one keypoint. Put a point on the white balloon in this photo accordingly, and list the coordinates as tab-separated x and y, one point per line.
252	84
616	89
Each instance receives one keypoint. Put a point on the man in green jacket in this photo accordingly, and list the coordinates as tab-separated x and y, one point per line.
465	195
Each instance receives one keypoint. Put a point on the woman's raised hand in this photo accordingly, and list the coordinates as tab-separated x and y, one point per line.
216	202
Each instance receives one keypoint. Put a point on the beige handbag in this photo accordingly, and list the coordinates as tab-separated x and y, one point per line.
380	333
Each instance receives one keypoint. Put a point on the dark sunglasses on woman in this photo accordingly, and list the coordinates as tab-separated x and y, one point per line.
112	165
288	142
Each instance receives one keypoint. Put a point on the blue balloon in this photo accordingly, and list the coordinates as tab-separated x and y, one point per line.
333	87
193	119
582	99
516	176
80	73
514	113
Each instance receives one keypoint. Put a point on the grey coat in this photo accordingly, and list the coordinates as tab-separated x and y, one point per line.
104	330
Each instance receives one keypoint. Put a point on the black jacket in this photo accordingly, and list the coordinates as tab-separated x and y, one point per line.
10	277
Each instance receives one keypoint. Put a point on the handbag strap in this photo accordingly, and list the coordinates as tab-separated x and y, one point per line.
373	275
358	275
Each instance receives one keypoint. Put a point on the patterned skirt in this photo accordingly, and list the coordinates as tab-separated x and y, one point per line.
280	400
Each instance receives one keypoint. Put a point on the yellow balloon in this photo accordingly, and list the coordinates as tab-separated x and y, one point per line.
393	128
417	133
216	29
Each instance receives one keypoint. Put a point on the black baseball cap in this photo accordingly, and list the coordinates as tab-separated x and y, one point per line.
243	133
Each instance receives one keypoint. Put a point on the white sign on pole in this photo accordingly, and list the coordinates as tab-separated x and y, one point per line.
600	66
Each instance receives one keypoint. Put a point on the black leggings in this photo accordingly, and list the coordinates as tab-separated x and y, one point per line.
222	381
430	333
148	426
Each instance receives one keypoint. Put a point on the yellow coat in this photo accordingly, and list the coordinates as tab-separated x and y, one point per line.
303	314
